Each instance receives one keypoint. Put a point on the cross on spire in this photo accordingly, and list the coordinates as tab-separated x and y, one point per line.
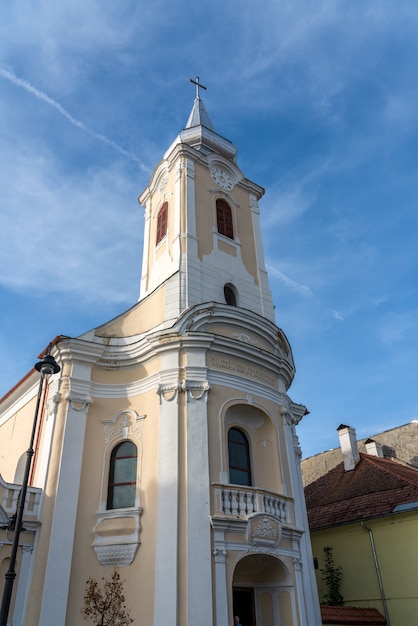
198	85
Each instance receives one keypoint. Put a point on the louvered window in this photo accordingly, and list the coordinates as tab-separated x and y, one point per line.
224	218
162	221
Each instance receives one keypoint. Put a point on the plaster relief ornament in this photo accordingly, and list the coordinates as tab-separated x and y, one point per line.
221	178
264	530
163	183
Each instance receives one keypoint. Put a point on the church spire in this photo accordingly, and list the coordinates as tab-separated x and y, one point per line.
200	133
199	116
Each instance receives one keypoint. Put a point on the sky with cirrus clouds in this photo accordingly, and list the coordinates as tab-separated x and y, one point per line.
320	99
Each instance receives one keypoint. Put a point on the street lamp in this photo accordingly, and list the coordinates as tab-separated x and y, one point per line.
46	366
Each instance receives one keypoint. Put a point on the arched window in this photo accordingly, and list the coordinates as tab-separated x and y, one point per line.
230	295
239	457
122	476
162	221
224	218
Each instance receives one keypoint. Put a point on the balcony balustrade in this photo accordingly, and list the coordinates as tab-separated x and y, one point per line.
240	501
9	494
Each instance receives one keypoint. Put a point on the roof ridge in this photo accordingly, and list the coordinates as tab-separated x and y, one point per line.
384	465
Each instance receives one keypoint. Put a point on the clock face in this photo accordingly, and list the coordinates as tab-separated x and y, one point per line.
221	178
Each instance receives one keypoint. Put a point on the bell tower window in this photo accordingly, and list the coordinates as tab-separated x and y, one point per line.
239	457
224	218
230	295
162	221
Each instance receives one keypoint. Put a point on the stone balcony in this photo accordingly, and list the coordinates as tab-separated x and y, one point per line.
9	494
237	501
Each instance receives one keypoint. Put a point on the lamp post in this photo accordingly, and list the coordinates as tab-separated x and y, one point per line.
45	367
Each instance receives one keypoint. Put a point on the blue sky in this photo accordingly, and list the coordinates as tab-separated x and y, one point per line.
320	99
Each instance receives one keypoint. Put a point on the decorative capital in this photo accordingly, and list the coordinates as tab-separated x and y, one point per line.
297	562
220	555
195	390
78	403
169	392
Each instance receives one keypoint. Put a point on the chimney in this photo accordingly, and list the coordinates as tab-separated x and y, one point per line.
374	448
349	449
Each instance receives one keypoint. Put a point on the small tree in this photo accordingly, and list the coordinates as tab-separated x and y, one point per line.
332	576
105	605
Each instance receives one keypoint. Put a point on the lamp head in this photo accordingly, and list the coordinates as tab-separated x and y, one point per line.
47	365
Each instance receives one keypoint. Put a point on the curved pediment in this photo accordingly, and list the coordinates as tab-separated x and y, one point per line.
236	324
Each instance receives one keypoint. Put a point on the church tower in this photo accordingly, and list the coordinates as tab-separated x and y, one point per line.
168	445
202	228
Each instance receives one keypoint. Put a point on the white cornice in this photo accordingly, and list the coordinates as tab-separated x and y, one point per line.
80	351
190	333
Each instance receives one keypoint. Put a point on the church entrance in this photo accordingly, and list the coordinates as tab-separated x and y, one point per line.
243	602
263	591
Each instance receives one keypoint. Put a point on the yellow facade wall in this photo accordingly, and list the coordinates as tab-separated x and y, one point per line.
397	553
95	463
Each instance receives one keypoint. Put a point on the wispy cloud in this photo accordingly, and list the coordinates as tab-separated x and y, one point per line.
85	226
24	84
288	205
302	290
337	315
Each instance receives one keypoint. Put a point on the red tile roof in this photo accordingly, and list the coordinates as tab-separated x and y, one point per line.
373	489
351	616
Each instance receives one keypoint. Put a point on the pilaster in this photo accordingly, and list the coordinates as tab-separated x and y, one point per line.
166	555
307	593
23	581
77	398
199	569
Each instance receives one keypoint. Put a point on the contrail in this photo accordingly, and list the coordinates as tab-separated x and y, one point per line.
11	77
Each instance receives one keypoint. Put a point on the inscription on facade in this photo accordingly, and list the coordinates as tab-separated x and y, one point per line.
235	367
264	530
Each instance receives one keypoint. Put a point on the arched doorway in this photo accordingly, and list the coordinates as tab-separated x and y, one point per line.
262	591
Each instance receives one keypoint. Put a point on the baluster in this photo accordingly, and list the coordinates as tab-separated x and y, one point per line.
234	502
220	500
241	502
284	511
276	507
226	501
267	504
249	502
271	505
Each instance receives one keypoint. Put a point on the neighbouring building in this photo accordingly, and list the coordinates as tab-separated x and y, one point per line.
166	445
365	509
399	444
